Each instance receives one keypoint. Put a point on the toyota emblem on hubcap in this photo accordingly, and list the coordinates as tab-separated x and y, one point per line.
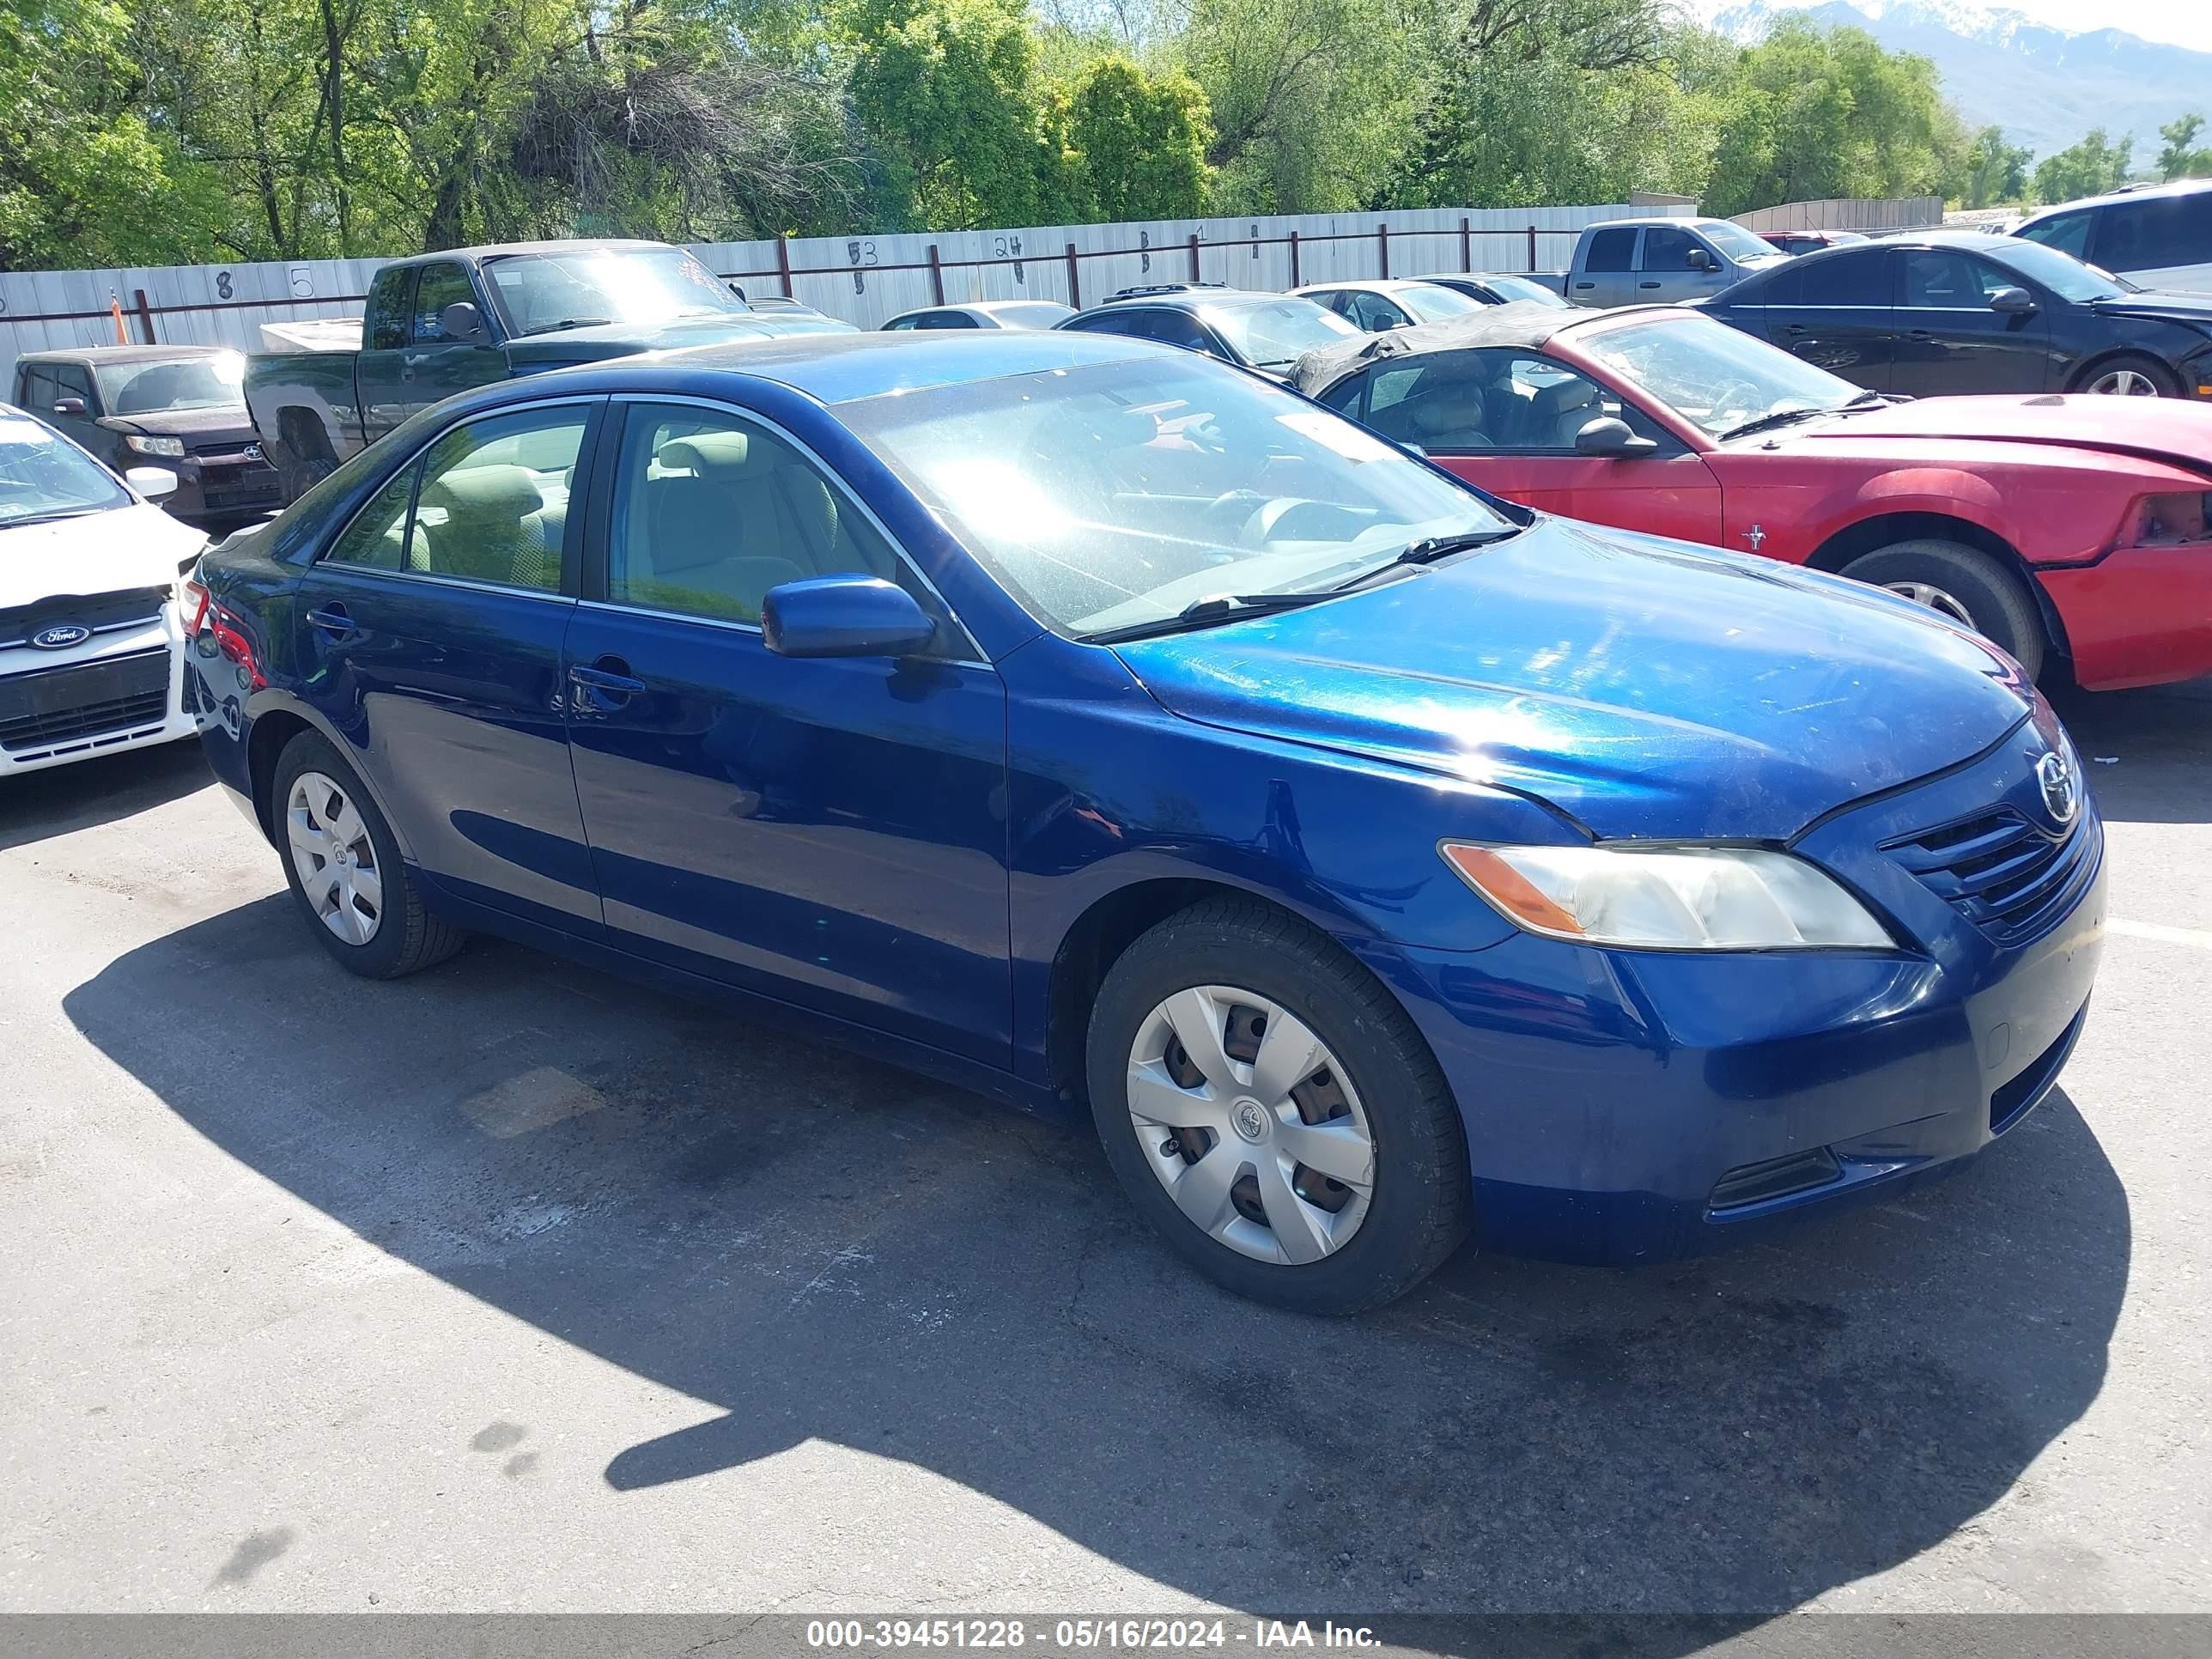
1250	1118
2061	787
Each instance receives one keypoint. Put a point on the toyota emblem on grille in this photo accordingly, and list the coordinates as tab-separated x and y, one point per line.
61	637
2061	787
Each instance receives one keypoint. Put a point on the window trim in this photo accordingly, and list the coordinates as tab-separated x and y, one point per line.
597	550
572	548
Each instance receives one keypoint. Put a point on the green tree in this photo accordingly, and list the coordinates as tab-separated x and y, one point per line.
2181	158
2091	167
1141	139
1993	171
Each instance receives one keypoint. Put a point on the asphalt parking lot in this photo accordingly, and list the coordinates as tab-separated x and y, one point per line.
512	1286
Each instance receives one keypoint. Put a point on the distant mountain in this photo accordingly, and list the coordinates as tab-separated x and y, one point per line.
2044	87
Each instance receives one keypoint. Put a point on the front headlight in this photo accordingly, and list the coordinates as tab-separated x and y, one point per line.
146	445
1668	898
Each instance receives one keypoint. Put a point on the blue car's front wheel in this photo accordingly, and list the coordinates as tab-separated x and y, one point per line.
1275	1112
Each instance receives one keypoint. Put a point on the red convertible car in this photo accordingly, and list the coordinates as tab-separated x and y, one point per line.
2060	527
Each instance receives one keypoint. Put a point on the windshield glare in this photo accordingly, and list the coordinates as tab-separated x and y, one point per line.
1432	304
544	291
155	388
1712	374
1520	288
1278	332
2061	273
41	477
1114	495
1737	242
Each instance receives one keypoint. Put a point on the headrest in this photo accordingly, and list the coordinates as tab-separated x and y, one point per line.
706	453
1451	411
1558	399
504	491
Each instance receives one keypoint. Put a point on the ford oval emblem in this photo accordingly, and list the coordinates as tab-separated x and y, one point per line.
61	637
2061	787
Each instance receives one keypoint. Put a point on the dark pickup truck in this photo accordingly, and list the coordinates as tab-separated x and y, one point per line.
178	408
442	322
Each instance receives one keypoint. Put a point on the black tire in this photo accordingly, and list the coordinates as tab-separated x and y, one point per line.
1997	604
304	474
1421	1203
408	937
2129	362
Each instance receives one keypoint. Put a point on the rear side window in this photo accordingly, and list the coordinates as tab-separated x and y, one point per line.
438	287
1106	322
2068	232
384	324
947	320
1611	250
2150	235
35	390
1843	279
377	537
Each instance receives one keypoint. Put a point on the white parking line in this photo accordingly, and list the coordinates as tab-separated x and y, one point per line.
2165	935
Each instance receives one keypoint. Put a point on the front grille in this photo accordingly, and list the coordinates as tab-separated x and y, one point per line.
2005	875
57	705
100	612
218	447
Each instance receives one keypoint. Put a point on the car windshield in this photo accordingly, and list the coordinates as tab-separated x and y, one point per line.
1276	333
578	288
1116	494
1432	304
1735	241
215	381
1031	314
1520	288
1712	374
2061	273
42	476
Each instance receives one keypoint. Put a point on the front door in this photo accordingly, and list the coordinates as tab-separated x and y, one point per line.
432	631
1506	418
830	831
1948	340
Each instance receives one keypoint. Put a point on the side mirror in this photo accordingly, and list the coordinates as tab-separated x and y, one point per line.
843	616
2013	302
70	406
1611	437
463	324
1701	260
151	482
737	288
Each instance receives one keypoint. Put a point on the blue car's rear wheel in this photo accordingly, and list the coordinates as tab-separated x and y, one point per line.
1275	1112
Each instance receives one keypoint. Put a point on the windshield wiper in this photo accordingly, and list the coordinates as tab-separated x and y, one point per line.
571	322
1780	418
51	518
1428	551
1205	613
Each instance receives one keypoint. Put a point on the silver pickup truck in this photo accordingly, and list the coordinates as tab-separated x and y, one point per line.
1633	262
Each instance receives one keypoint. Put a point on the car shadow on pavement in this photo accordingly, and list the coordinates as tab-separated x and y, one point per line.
830	1249
58	799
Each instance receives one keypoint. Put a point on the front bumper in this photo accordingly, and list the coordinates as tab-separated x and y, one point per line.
121	689
2140	616
1635	1105
218	488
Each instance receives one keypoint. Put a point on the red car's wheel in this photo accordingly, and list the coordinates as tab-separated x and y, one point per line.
1966	584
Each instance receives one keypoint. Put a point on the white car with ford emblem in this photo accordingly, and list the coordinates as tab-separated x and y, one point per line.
92	645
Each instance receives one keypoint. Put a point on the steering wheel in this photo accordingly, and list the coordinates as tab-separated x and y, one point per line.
1231	514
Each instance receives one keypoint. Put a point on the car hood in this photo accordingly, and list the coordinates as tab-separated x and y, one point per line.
2160	428
134	546
196	425
591	345
2163	303
1645	688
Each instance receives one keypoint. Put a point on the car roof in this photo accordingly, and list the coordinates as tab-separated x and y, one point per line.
494	250
2136	193
836	369
1189	299
1518	323
121	354
1378	284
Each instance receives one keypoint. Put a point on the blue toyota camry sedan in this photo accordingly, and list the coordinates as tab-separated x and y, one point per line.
1103	728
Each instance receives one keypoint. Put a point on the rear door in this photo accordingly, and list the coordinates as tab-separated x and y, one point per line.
1833	309
1605	274
430	635
1948	340
827	830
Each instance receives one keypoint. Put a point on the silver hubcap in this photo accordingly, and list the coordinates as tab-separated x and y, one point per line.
2123	383
1251	1124
333	857
1936	599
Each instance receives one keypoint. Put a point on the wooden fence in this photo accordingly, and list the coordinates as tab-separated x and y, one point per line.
862	279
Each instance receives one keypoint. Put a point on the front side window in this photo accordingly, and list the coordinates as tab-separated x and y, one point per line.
43	477
489	503
1944	279
1108	495
712	510
1492	400
436	287
1374	314
1714	376
1666	248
